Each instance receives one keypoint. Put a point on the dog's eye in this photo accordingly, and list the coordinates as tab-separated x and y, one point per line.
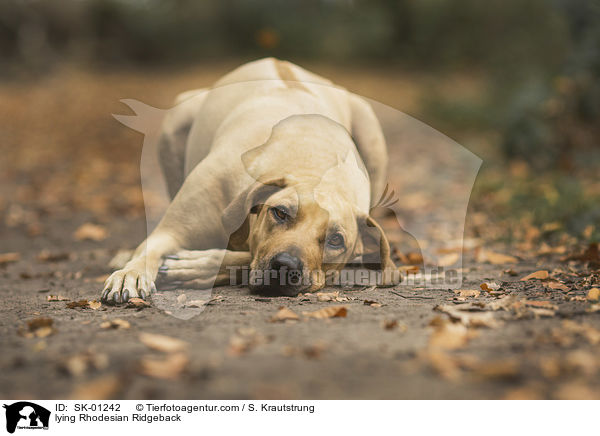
279	213
336	240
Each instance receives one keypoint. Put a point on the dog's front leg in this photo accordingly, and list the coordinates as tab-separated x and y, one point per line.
136	279
203	268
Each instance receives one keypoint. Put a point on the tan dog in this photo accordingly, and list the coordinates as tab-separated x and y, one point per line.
273	168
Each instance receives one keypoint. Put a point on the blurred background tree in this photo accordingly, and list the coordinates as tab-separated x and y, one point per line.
516	81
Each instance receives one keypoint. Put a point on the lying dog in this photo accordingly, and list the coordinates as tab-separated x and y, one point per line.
274	168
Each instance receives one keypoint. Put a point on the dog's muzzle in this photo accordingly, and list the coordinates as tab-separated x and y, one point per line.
284	276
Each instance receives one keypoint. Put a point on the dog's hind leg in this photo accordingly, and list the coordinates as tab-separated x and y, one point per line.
174	135
204	268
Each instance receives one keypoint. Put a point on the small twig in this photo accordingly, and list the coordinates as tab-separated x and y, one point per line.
412	297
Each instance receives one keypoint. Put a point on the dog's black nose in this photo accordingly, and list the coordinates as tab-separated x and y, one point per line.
286	261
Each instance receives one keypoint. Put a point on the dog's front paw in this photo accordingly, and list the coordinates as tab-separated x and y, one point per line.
125	284
201	265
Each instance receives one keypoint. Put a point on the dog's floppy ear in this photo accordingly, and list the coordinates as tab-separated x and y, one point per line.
235	215
373	244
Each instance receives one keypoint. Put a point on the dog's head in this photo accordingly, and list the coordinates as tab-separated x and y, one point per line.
297	235
312	221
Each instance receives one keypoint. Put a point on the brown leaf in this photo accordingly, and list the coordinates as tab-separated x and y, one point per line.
409	269
9	258
467	293
166	344
540	312
168	368
284	314
330	296
449	336
490	286
465	315
557	285
244	340
449	259
78	364
48	256
53	298
541	304
372	303
94	304
84	304
507	369
77	304
494	258
538	275
115	324
40	327
89	231
593	294
328	312
137	303
392	324
103	388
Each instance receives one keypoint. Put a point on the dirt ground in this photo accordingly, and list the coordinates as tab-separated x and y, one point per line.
66	165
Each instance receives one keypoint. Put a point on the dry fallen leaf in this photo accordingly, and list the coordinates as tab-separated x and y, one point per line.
448	259
76	304
244	340
94	304
9	258
89	231
166	344
541	304
327	296
506	369
593	294
168	368
539	275
587	331
392	324
40	327
491	286
52	298
115	324
409	269
103	388
48	256
558	286
78	364
84	304
372	303
137	303
469	315
494	258
284	314
328	312
467	293
448	335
